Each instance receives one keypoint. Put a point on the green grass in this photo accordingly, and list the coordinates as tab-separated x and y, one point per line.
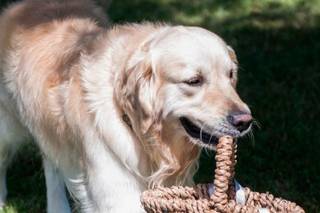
278	47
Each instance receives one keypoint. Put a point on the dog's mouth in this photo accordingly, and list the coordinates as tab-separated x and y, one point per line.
196	133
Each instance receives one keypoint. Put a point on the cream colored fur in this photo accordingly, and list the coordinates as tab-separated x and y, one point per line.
104	105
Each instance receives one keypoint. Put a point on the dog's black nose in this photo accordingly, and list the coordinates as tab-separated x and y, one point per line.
240	120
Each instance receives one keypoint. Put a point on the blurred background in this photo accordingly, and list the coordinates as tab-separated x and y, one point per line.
278	48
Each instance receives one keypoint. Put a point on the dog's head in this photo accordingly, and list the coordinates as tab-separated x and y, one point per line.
181	88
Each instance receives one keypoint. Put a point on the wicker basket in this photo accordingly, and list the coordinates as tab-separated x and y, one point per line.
221	196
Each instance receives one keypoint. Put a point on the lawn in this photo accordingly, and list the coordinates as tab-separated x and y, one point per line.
278	47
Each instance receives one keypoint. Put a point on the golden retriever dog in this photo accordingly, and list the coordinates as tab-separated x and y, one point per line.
114	111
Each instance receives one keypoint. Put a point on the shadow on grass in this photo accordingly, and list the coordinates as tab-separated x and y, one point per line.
26	182
278	49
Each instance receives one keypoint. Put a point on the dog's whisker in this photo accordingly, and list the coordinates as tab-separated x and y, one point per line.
256	123
211	134
251	136
207	152
201	130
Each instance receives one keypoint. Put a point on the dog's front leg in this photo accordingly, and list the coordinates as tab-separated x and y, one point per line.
111	186
56	195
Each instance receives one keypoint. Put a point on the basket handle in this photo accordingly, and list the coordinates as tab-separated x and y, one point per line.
224	172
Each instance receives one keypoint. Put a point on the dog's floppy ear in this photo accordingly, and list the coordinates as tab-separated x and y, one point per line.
139	90
234	59
232	54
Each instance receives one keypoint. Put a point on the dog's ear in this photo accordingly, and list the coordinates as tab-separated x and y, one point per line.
232	54
139	90
233	57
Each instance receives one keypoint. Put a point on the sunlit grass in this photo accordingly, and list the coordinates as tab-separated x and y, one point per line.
9	209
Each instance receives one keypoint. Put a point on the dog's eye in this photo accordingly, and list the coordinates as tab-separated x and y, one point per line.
231	74
195	81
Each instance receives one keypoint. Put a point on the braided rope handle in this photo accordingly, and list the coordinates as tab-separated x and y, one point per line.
222	200
224	172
